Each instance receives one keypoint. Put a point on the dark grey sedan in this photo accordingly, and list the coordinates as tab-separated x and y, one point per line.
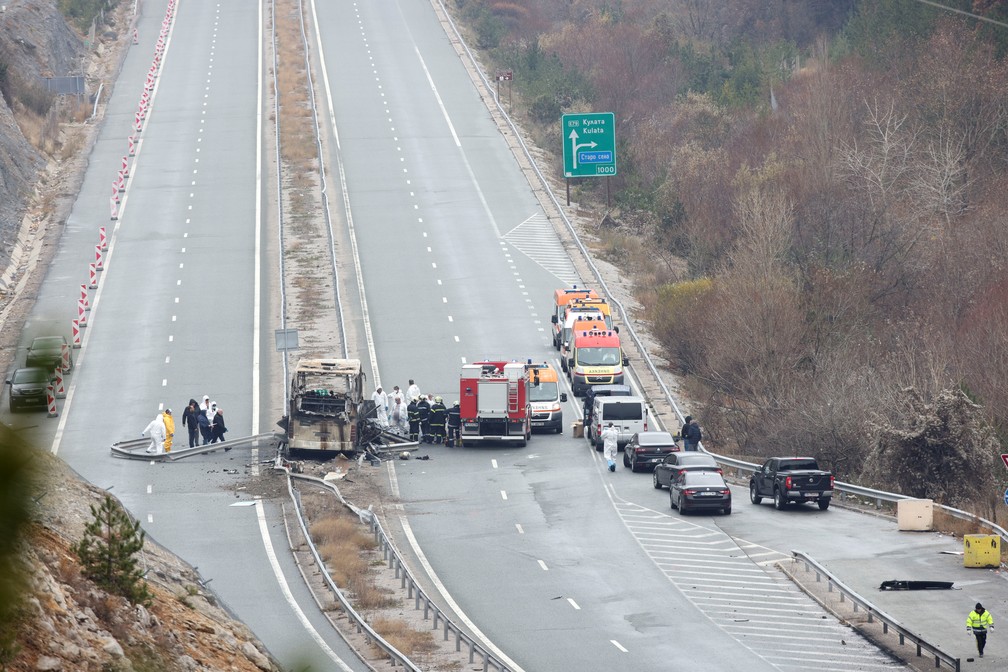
645	450
28	388
47	352
700	491
674	463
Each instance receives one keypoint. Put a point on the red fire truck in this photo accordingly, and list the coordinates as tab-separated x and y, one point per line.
494	403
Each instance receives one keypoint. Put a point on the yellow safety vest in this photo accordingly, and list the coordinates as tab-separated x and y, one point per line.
979	621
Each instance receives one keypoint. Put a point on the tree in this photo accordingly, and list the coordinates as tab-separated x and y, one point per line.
107	552
940	448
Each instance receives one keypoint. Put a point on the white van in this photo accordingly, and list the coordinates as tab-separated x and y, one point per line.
628	414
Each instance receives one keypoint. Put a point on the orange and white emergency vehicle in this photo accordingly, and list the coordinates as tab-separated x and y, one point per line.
561	298
593	304
494	403
576	324
596	359
546	398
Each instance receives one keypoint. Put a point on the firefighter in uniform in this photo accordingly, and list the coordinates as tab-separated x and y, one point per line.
438	416
413	413
454	425
424	408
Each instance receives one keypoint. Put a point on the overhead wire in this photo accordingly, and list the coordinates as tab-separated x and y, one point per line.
963	12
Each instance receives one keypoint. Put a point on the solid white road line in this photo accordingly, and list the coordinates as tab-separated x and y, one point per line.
282	582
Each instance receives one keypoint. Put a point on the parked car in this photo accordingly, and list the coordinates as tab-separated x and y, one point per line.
792	479
28	388
645	450
629	415
695	490
46	352
674	463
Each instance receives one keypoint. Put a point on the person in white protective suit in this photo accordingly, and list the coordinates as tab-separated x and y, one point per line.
381	404
400	416
156	430
610	435
412	392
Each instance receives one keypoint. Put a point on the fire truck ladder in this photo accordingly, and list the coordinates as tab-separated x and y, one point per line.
512	396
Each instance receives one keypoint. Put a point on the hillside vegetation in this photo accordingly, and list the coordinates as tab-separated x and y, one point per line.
811	200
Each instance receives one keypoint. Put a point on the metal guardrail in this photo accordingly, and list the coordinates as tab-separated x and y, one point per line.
878	495
848	488
362	626
136	449
440	620
516	133
874	613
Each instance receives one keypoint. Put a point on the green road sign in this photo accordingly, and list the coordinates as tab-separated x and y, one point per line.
589	144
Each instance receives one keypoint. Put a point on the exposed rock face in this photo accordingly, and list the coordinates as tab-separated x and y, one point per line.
35	42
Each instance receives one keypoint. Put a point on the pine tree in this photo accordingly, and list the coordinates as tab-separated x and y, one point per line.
107	552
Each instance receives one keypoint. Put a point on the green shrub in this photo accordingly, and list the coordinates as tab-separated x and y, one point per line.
670	318
108	549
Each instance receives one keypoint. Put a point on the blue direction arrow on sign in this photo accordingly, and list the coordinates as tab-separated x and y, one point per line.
1006	496
589	144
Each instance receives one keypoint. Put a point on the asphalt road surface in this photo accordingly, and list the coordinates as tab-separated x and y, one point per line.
561	564
173	319
534	544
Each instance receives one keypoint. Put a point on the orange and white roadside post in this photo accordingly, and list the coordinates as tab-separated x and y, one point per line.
75	330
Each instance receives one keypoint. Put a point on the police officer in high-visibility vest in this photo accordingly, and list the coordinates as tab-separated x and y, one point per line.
438	417
413	413
979	623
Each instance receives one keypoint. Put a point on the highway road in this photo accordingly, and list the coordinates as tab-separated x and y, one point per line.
173	318
561	564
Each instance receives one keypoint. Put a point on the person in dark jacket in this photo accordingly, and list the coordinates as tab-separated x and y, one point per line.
691	434
217	427
438	417
589	407
203	422
190	422
454	426
424	407
413	413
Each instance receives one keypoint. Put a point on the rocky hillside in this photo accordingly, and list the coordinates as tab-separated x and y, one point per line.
66	623
35	42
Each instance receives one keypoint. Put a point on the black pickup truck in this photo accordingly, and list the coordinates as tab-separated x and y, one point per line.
791	479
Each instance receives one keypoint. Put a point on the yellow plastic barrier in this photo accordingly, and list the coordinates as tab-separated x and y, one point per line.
982	550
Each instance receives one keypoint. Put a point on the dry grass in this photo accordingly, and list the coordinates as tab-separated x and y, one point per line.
342	542
403	637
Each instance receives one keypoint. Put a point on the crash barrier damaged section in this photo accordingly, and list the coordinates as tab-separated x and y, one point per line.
874	614
136	449
439	619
